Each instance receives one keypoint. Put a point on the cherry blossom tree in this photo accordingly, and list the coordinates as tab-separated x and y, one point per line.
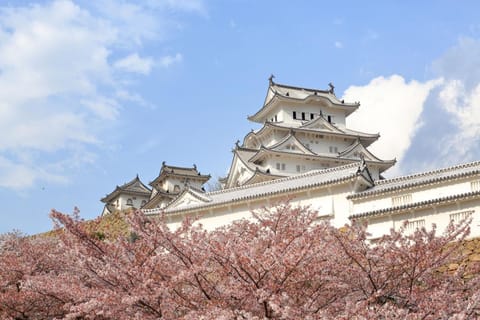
284	263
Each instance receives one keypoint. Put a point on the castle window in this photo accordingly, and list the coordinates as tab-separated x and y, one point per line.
303	115
329	118
333	149
460	216
294	114
276	119
283	166
176	188
475	185
144	202
311	116
129	202
298	168
278	166
414	225
402	200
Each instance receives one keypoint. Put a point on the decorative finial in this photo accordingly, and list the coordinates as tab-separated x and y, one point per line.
194	166
237	143
270	80
163	163
363	164
332	88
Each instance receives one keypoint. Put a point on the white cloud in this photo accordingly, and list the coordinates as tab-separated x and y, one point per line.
392	107
463	106
460	62
133	63
338	44
18	176
183	5
167	61
58	86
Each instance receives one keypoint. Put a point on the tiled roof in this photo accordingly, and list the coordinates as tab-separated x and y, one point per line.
134	186
366	138
416	205
168	170
263	152
435	176
158	197
286	185
302	94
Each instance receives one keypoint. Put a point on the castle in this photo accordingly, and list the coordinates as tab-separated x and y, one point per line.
306	153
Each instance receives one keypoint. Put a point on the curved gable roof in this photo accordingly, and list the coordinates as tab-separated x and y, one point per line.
134	187
278	91
287	185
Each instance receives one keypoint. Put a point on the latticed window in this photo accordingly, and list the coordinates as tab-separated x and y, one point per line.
401	200
129	202
459	216
475	185
414	225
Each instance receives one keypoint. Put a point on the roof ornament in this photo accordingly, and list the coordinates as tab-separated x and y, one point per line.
363	164
194	166
332	88
163	163
237	143
270	79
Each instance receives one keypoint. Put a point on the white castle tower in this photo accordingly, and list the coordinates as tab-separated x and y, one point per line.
303	130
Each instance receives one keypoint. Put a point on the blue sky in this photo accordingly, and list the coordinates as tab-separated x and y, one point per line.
94	92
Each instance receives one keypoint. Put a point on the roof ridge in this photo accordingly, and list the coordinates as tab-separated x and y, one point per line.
413	204
426	173
177	167
289	178
299	88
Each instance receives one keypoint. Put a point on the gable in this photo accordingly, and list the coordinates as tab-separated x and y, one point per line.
291	144
188	198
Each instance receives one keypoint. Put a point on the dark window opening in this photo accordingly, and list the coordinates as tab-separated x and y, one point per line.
303	115
294	115
329	119
311	116
276	118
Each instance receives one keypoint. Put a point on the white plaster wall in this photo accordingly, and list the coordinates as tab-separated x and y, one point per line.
136	200
418	194
321	143
284	112
331	204
440	215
